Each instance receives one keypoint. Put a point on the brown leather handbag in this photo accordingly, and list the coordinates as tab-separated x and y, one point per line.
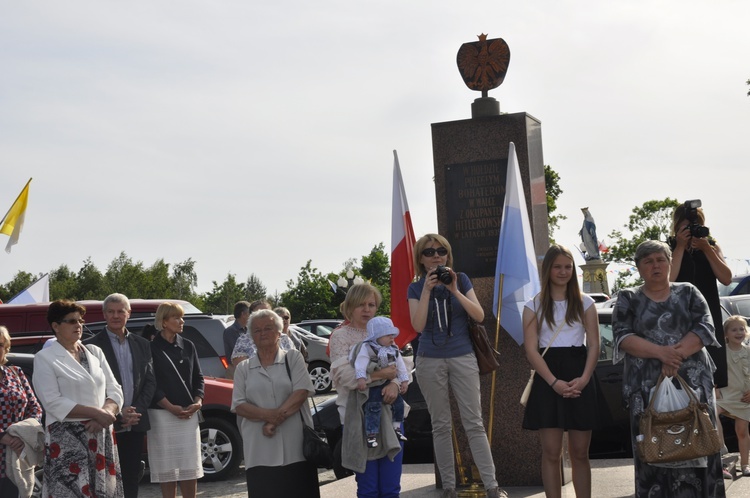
679	435
483	350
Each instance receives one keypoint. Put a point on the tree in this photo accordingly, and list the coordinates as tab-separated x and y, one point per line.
748	92
552	186
310	296
20	281
221	299
254	288
156	282
377	269
91	283
125	277
184	279
63	284
650	221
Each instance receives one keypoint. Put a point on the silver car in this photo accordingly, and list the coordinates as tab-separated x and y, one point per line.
318	362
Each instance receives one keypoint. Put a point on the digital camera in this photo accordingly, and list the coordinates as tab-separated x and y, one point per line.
691	213
443	275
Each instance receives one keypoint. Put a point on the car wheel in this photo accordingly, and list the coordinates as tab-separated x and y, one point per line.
221	449
339	471
320	375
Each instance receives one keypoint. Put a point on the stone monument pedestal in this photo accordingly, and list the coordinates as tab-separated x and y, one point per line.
595	277
470	160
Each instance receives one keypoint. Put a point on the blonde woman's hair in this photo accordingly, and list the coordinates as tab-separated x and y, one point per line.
5	336
357	295
166	311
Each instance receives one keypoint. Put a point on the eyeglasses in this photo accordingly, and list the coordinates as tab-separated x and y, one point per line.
285	318
430	252
73	321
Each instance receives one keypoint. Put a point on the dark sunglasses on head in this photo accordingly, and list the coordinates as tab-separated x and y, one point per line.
430	251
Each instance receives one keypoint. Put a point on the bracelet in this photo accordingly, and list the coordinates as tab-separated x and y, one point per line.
553	383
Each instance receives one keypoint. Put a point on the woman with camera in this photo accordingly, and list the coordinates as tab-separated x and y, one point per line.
440	304
696	258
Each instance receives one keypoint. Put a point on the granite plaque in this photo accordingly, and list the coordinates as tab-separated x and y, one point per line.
475	193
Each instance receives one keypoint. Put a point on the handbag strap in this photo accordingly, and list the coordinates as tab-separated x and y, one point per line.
289	373
178	374
685	387
557	331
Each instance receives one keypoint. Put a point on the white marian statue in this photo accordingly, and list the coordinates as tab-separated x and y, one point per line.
590	244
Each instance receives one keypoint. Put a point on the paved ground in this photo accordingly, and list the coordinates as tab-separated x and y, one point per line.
611	479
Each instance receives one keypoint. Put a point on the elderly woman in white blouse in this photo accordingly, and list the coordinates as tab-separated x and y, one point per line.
270	397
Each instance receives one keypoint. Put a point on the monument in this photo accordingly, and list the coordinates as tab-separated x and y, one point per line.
470	162
594	270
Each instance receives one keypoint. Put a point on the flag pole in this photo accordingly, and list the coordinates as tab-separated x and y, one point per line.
494	372
14	202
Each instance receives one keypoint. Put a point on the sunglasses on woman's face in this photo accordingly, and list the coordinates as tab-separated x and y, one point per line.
430	252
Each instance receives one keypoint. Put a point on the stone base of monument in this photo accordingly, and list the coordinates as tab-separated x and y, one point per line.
595	277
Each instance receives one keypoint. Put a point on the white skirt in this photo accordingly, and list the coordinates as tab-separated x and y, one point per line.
174	448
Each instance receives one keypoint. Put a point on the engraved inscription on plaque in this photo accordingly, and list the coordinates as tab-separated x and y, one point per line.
475	194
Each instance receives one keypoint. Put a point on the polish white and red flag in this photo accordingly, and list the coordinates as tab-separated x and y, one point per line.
402	258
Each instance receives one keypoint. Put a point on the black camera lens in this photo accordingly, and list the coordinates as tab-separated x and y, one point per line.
443	275
698	231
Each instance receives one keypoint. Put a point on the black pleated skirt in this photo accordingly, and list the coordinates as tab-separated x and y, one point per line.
298	479
548	410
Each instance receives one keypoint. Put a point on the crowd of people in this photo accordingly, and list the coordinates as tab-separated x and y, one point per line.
102	396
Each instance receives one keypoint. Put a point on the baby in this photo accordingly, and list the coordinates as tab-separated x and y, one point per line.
379	350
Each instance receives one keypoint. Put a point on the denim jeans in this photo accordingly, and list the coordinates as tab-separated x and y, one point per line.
374	406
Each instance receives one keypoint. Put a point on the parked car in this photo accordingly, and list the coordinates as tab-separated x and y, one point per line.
221	443
740	284
205	331
31	319
318	362
738	304
321	328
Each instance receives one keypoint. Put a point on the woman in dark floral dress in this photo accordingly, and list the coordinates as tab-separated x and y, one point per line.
664	328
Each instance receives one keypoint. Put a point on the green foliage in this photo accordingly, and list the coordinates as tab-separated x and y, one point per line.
552	186
62	283
221	299
254	289
184	279
91	283
310	296
377	270
20	281
650	221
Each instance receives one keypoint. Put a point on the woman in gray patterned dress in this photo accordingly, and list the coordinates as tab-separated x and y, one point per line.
663	327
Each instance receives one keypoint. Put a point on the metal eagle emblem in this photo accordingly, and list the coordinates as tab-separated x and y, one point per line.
483	63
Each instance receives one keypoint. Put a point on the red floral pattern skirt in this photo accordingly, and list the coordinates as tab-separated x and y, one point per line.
80	463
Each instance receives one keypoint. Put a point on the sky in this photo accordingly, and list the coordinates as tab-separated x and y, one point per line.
255	136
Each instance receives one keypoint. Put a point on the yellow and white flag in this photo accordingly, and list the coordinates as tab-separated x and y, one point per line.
12	224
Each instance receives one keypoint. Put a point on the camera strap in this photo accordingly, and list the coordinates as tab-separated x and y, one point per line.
442	313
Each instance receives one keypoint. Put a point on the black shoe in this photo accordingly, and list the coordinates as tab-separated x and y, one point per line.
400	435
372	441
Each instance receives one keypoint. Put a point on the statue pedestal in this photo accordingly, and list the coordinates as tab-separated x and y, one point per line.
470	159
595	277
